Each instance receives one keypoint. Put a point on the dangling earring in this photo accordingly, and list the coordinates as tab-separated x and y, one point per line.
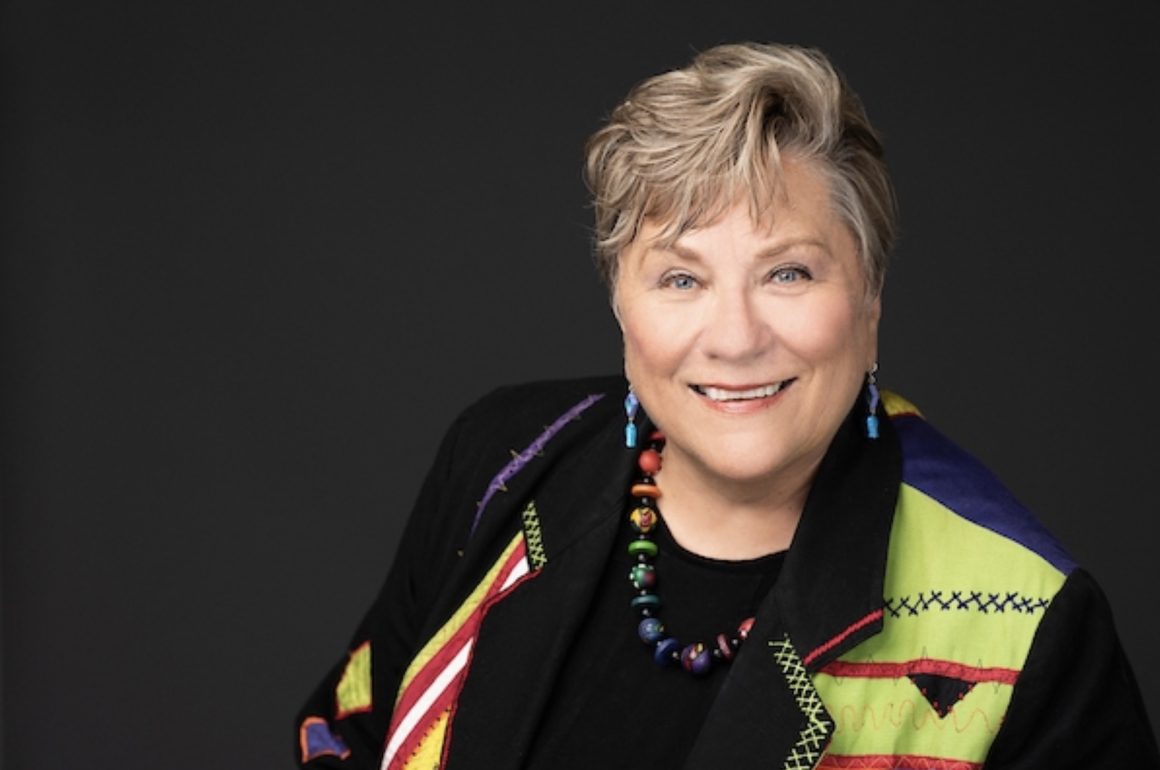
872	397
631	404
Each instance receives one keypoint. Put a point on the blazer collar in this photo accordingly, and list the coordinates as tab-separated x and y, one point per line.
827	598
829	594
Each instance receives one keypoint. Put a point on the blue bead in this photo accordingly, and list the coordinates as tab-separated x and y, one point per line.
872	426
651	630
696	659
630	435
649	601
666	652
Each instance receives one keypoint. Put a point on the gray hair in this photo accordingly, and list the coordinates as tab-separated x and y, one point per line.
686	143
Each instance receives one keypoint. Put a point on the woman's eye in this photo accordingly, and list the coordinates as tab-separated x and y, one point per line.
682	281
786	275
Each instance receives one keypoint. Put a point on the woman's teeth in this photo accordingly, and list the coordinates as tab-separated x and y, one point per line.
720	394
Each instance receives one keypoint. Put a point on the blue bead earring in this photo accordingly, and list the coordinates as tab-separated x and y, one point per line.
872	398
631	404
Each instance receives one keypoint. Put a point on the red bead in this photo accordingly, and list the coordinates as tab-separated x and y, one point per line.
745	627
649	461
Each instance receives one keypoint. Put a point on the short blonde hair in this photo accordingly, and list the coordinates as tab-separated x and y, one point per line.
685	144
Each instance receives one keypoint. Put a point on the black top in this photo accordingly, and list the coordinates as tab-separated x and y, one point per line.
612	705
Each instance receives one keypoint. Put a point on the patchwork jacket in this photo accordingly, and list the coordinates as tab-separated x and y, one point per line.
922	618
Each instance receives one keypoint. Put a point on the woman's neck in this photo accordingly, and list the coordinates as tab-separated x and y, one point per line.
722	519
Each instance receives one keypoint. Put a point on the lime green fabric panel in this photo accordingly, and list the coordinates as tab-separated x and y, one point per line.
959	601
891	716
957	591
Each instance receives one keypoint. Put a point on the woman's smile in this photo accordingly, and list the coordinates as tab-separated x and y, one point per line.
741	399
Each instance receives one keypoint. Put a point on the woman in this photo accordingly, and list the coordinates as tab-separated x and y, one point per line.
816	578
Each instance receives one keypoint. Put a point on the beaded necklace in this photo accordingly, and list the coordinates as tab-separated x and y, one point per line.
697	658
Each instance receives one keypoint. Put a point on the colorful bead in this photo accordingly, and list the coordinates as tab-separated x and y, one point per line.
646	601
650	462
651	630
643	576
643	519
724	647
667	652
696	659
642	547
646	490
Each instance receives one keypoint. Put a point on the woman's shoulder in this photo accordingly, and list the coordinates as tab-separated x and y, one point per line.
953	488
508	427
541	404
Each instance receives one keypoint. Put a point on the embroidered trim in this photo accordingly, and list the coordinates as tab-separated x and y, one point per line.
815	735
855	626
946	668
533	536
432	682
316	740
913	712
519	460
893	762
965	600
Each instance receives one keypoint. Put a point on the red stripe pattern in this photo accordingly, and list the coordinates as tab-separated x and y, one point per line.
945	668
855	626
436	686
892	762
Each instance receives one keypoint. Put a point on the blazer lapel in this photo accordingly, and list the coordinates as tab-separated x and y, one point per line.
526	636
827	599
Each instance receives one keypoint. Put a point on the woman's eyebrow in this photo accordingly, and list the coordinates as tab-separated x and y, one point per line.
771	251
777	249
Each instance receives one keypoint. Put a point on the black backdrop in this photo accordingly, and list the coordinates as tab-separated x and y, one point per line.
256	257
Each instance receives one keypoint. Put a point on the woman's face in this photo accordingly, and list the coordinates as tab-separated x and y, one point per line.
748	343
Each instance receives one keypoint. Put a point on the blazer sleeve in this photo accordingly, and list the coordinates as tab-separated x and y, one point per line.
345	721
1076	703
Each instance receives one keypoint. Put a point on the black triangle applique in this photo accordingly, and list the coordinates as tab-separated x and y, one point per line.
942	692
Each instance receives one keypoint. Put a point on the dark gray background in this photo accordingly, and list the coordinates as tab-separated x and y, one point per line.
256	257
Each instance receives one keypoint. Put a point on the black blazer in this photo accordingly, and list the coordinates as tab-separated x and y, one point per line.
561	446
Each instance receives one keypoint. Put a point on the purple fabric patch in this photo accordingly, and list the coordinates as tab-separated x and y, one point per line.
517	463
943	471
318	740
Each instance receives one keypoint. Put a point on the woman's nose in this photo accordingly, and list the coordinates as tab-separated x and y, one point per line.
734	329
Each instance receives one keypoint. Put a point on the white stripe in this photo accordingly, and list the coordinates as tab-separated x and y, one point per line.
408	723
456	664
517	572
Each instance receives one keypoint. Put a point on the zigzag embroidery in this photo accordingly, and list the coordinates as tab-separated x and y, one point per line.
922	716
533	537
532	450
979	601
815	735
